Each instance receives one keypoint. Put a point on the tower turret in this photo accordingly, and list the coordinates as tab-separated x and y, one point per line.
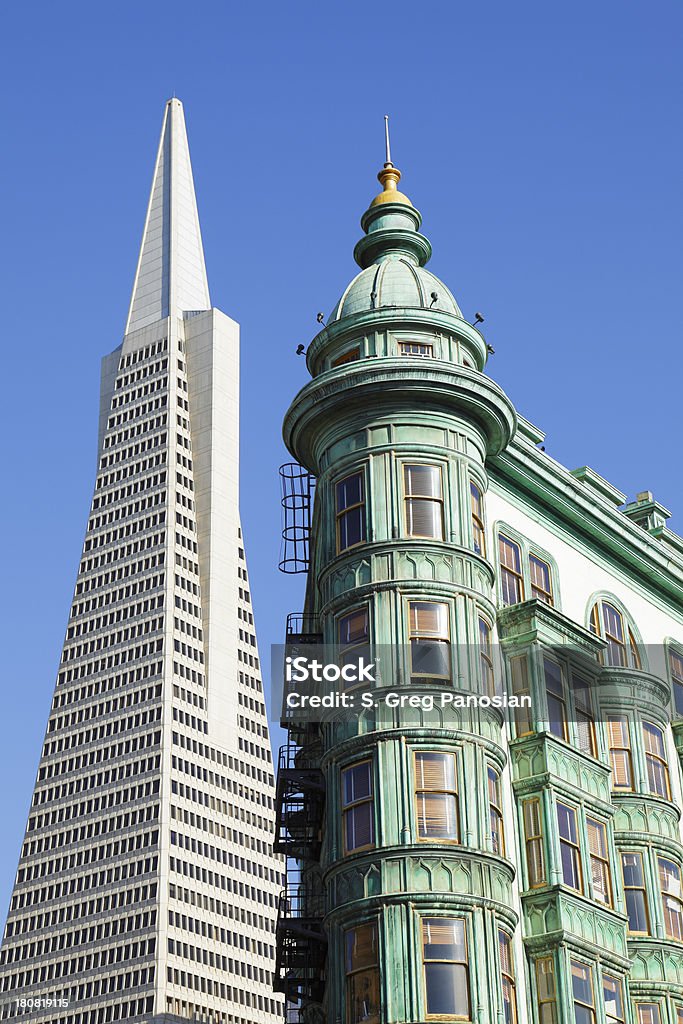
410	869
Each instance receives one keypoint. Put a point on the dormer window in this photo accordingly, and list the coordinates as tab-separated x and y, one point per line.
416	348
350	356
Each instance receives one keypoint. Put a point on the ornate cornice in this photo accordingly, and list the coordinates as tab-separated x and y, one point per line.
357	389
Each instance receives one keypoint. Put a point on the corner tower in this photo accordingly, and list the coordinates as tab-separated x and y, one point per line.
147	884
397	425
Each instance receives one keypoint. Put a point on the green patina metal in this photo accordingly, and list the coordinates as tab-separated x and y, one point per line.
373	407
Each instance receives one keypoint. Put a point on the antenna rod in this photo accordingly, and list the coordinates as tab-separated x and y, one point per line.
386	138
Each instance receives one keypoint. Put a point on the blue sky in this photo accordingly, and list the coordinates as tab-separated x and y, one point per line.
541	142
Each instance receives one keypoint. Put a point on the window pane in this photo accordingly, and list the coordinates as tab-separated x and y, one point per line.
352	527
363	997
510	554
532	818
437	816
359	827
670	884
570	867
357	783
553	677
349	491
670	877
621	769
347	357
566	820
540	579
657	777
676	661
654	740
569	854
422	481
597	837
614	626
443	938
424	518
581	983
632	865
447	990
584	733
556	717
545	988
430	658
648	1013
361	947
353	628
618	731
445	964
428	618
637	911
435	771
475	497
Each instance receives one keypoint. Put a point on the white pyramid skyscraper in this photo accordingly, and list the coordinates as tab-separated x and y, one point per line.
147	886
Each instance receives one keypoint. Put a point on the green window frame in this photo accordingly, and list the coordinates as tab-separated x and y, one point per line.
358	806
506	960
583	995
546	990
648	1013
534	842
672	897
614	626
598	855
362	974
477	512
436	796
446	970
635	892
351	511
656	762
488	679
570	846
676	670
613	999
525	569
621	758
423	500
553	673
353	636
495	794
430	639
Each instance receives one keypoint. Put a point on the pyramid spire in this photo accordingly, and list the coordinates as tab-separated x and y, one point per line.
171	275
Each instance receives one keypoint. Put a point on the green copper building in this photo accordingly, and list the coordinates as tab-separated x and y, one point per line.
472	862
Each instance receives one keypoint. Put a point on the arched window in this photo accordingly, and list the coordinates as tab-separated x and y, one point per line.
608	622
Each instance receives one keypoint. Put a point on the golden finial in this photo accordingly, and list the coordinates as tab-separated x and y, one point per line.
389	176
